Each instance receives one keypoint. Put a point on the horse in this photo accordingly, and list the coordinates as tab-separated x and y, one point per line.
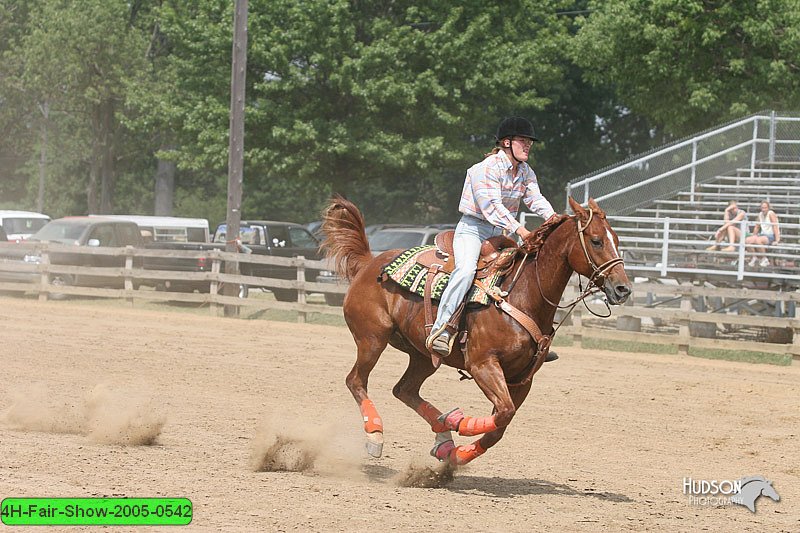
501	353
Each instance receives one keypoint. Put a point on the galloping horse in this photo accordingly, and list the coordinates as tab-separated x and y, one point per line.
500	354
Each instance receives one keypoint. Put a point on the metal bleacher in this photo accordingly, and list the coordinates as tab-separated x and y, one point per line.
666	205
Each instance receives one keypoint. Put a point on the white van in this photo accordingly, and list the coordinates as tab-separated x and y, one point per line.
167	229
20	225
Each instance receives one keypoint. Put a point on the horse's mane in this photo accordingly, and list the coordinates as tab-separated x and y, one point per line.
535	241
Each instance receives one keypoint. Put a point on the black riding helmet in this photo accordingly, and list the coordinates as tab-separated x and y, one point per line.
515	127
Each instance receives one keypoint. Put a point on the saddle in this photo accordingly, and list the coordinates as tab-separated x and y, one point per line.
491	250
496	258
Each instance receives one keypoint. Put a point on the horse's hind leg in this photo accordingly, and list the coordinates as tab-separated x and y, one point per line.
370	348
407	389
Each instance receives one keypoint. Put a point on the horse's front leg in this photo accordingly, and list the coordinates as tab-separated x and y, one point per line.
465	454
490	378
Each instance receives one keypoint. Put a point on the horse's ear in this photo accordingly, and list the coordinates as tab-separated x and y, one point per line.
577	208
596	208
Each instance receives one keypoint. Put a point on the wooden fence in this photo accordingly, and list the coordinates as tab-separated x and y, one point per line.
135	283
128	280
696	328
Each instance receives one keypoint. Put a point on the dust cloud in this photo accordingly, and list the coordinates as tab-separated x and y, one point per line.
104	416
425	477
299	445
283	445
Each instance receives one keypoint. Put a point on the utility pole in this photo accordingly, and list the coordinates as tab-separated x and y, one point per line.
236	146
45	110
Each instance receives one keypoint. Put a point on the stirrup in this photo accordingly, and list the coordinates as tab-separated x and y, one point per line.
429	342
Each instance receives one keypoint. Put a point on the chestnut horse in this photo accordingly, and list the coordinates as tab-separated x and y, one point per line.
500	352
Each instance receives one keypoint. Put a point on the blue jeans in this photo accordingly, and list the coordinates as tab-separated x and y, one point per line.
470	234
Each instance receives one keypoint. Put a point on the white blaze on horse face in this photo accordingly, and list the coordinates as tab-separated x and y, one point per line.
611	242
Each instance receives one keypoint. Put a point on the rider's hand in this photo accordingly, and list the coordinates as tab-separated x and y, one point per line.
523	232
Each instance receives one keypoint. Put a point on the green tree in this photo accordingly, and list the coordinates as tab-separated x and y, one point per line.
688	64
63	71
387	102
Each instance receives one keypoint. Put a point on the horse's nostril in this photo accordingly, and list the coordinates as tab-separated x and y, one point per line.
623	289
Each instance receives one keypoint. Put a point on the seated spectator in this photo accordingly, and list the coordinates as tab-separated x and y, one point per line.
766	232
730	229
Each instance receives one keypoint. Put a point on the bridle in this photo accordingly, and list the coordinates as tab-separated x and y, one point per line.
598	273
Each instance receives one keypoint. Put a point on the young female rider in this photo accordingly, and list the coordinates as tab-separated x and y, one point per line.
489	205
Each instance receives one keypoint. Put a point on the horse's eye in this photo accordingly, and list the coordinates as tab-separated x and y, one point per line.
597	243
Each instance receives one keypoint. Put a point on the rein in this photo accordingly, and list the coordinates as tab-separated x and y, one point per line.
543	341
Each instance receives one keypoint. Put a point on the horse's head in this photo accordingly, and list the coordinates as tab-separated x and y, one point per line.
597	254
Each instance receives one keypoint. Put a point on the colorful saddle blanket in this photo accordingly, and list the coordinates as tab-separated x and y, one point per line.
406	271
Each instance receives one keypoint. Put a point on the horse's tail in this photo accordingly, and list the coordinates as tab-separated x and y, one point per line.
345	241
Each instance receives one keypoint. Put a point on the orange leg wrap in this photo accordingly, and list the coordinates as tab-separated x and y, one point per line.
372	420
476	426
464	454
431	414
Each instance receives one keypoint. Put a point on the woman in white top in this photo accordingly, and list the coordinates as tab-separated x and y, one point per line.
766	232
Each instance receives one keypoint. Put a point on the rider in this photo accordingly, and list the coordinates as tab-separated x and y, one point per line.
489	206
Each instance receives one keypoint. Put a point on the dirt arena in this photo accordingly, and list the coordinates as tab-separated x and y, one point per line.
99	400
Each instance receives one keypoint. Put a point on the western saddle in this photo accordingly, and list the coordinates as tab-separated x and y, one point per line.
496	256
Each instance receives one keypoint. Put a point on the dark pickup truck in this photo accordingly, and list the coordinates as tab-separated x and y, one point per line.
259	237
74	231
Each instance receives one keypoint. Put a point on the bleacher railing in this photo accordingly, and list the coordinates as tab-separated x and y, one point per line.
681	166
677	248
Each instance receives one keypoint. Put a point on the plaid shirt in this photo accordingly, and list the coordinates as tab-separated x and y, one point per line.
491	193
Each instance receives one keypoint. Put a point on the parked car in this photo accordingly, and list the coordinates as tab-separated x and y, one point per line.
259	237
401	238
75	231
3	236
315	228
280	239
19	225
396	237
372	228
167	229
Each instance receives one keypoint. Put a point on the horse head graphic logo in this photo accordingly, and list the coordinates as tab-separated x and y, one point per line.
752	488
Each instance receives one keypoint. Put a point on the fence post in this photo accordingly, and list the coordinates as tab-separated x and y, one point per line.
577	327
754	149
794	348
214	285
567	192
301	287
694	171
740	254
577	318
683	328
772	137
665	248
44	280
128	283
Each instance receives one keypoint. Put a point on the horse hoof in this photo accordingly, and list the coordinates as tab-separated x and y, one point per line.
374	444
442	450
443	445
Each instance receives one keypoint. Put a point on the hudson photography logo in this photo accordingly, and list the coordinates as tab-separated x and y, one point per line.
721	493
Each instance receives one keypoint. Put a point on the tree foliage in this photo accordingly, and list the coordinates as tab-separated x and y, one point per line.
378	100
385	101
63	72
687	64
